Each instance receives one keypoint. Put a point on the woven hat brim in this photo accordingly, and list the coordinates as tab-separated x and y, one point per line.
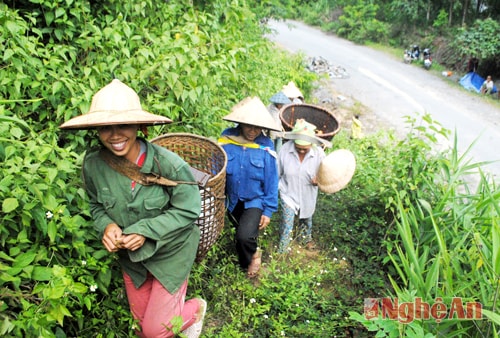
336	171
271	125
310	139
105	118
253	112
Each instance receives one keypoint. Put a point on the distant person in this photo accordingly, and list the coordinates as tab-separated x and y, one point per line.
487	86
472	65
251	178
293	93
299	161
356	127
278	100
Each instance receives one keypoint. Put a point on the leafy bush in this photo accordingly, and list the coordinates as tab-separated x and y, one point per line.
358	23
191	64
481	39
446	240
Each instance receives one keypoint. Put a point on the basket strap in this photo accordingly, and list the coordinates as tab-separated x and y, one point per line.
132	171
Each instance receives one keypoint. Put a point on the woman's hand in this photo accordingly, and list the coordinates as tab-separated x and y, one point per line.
132	242
264	221
112	237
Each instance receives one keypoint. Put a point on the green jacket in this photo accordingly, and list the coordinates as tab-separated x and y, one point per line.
164	215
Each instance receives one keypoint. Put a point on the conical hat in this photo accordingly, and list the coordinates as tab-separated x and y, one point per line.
253	112
336	171
115	103
291	91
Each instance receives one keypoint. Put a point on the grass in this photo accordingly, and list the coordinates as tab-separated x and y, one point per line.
403	212
302	293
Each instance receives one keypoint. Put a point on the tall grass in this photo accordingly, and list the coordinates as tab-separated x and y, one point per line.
446	241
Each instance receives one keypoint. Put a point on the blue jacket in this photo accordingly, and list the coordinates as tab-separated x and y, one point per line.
251	175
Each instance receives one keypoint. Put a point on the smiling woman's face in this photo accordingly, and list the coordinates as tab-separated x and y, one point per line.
250	132
121	140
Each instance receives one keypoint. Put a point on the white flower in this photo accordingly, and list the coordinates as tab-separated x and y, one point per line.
93	287
282	333
335	249
252	300
49	215
84	263
266	316
334	259
318	284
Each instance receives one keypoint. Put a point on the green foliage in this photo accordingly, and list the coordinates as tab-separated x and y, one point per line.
481	39
441	20
189	64
446	239
192	63
272	9
44	237
296	294
358	23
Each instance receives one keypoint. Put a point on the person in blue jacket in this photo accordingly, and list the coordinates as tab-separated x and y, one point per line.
251	177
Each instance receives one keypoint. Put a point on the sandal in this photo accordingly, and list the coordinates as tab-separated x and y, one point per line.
194	330
254	267
310	245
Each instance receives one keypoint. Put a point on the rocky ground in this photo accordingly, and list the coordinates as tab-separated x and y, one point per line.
328	96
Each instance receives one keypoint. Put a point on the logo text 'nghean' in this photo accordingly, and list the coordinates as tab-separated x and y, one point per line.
407	312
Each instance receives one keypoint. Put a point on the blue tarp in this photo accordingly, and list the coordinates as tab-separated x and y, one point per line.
474	81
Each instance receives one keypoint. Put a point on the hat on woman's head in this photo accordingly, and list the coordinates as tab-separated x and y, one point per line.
253	112
302	127
291	91
115	103
336	171
280	98
304	134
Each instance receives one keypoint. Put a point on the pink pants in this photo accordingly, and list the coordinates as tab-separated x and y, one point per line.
155	307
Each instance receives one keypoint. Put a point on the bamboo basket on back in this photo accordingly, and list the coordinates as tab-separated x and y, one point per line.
208	157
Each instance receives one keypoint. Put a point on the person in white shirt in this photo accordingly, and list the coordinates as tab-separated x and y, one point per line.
298	163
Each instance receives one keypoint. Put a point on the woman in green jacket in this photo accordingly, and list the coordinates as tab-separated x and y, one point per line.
150	227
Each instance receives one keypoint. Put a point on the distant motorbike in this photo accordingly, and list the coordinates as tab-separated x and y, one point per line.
427	58
412	54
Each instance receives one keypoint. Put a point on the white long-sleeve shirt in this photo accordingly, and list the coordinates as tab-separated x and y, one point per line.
295	178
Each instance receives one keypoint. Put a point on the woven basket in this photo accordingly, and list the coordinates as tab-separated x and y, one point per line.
325	121
207	156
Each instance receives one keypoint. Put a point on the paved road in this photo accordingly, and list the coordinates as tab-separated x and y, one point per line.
393	89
